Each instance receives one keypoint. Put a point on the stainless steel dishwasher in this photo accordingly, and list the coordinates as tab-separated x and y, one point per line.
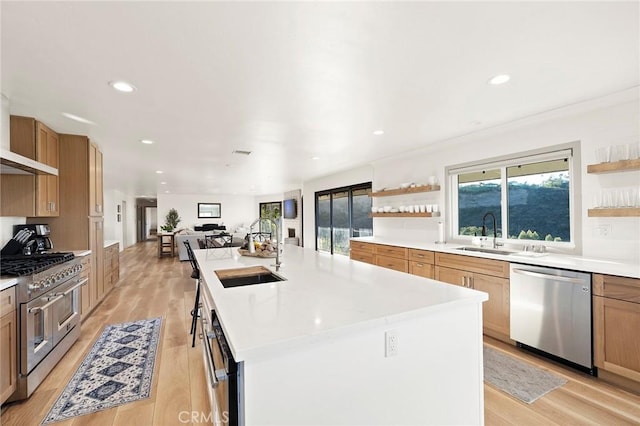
551	312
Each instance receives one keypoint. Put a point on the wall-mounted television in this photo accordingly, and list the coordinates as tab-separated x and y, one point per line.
290	209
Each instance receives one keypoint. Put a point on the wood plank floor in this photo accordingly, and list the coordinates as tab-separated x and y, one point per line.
151	287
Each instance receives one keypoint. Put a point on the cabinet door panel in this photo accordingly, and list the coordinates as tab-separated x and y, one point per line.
495	311
423	256
362	256
617	341
392	263
8	355
391	251
452	276
422	269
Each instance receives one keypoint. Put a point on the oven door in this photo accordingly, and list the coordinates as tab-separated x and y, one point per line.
36	332
218	385
66	311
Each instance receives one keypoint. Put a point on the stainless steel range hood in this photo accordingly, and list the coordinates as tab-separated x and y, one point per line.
15	164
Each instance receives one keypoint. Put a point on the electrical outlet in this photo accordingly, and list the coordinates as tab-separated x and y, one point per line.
390	343
602	231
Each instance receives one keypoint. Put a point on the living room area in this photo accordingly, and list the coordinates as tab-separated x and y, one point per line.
222	220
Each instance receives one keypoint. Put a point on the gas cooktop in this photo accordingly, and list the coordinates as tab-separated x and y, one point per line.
20	265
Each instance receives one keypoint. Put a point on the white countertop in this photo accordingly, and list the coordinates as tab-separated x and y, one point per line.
324	296
8	282
108	243
552	260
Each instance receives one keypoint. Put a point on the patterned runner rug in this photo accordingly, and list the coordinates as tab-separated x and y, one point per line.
519	379
117	370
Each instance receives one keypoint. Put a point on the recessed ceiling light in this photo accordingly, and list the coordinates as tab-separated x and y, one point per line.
77	118
315	158
499	79
378	132
122	86
159	172
146	141
163	183
166	192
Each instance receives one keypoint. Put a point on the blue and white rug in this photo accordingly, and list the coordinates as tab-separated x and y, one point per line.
117	370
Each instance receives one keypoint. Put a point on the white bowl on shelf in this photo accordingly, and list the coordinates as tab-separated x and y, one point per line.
387	209
405	185
374	210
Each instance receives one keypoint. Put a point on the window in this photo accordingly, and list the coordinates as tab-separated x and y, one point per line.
531	196
342	213
271	210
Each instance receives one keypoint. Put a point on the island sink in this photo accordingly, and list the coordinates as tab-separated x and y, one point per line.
247	276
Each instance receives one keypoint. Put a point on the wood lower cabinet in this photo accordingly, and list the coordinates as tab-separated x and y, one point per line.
391	257
421	262
28	195
488	275
8	344
362	252
616	323
111	266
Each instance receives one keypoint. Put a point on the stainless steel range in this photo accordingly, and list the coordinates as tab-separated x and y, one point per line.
48	297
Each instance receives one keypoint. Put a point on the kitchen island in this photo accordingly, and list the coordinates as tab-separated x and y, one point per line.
315	348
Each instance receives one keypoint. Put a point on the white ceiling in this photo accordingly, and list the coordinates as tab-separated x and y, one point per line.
290	81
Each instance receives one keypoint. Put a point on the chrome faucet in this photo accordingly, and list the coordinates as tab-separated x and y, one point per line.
484	227
252	248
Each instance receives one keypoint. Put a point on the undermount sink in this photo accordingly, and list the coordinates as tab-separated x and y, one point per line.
247	276
484	250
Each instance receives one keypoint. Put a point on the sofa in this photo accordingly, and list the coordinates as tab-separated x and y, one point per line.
200	239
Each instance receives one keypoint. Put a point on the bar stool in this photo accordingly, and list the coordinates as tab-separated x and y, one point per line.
196	306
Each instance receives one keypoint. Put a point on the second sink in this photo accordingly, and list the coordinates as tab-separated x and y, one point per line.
247	276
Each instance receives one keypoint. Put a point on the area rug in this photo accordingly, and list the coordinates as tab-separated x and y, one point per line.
519	379
117	370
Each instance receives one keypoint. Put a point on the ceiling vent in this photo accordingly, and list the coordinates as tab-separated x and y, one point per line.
241	152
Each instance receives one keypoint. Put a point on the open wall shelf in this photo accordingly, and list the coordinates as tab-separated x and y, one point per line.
402	191
617	212
616	166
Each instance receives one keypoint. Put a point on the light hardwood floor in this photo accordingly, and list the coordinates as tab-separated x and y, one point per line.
151	287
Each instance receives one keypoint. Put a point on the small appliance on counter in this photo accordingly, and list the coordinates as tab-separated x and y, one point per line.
29	239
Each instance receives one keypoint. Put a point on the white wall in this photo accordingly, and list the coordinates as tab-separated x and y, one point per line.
607	121
113	230
236	210
350	177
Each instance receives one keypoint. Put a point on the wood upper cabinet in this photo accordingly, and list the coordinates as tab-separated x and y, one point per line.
28	195
96	194
8	344
616	323
488	275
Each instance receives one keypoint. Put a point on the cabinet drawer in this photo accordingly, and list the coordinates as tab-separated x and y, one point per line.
7	301
423	256
362	256
392	263
362	247
621	288
496	268
421	268
391	251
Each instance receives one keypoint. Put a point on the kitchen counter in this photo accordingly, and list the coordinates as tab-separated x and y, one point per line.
553	260
8	282
322	296
314	348
109	243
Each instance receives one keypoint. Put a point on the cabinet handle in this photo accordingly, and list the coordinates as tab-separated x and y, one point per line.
464	281
99	208
419	265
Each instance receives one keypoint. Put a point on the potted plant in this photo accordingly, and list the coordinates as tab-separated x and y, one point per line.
171	221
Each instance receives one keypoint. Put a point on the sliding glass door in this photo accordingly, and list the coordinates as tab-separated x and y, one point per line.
342	213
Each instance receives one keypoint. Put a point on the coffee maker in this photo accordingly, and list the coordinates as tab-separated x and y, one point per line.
39	235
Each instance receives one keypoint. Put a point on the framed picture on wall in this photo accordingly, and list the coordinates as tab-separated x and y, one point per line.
209	210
